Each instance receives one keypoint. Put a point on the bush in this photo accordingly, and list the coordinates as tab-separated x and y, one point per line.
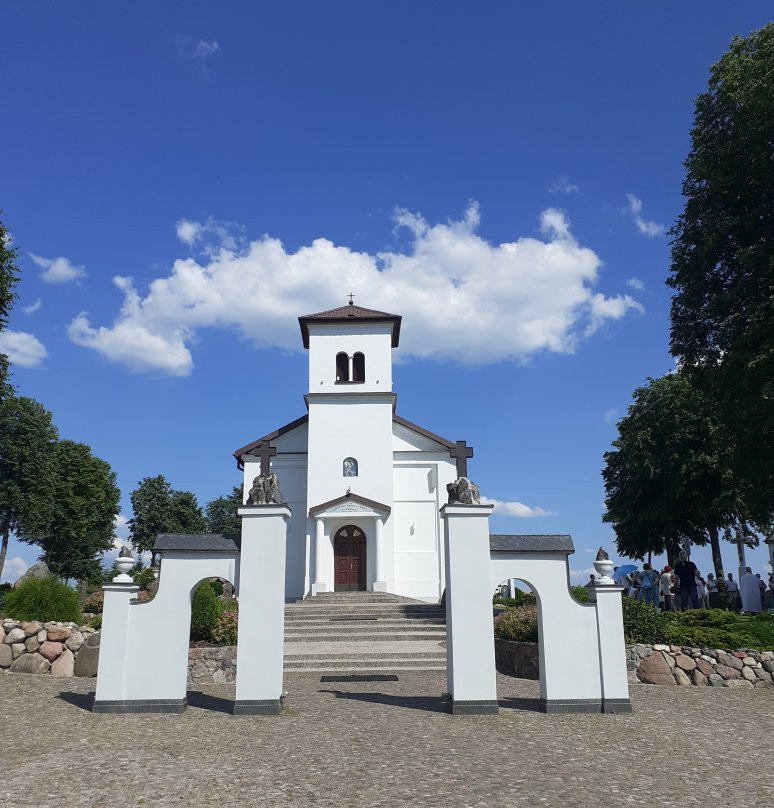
144	577
580	593
43	599
225	631
715	628
95	602
206	608
96	622
4	589
642	623
519	624
520	598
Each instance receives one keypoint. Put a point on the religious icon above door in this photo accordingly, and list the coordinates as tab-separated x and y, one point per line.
350	467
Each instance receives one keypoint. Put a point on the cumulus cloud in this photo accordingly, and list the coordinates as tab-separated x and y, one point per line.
13	569
22	349
611	416
33	307
581	576
563	186
636	284
646	226
211	236
517	509
58	270
511	301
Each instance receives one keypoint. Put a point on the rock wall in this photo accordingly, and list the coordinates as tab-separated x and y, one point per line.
59	649
660	664
212	664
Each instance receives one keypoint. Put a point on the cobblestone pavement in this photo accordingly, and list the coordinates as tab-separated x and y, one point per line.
384	744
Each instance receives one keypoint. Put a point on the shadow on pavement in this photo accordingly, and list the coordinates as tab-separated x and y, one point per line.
206	702
83	700
432	704
520	703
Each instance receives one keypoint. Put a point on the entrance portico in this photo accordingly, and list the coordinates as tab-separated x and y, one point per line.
336	525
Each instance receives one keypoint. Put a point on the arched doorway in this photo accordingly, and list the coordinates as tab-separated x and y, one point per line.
349	560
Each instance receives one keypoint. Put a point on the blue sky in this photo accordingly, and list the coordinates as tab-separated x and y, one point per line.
500	174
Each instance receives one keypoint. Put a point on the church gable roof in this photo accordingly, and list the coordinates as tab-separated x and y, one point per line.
350	314
349	497
425	433
283	430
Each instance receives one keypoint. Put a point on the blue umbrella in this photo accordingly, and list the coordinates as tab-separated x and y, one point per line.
626	569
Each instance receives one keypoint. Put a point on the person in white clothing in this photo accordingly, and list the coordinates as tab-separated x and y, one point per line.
751	593
733	593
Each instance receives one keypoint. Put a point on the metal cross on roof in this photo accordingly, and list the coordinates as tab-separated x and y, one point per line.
265	451
461	453
351	295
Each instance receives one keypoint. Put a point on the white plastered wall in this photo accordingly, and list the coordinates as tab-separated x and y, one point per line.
144	650
567	628
373	340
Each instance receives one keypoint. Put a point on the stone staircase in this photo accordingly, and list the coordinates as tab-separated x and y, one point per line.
364	632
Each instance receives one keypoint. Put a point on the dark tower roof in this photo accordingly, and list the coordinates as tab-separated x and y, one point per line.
350	314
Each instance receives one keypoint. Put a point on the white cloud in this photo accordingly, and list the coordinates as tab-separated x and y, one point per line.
646	226
581	576
22	349
461	297
13	569
636	284
187	231
517	509
197	50
33	307
611	416
563	186
211	236
57	270
121	539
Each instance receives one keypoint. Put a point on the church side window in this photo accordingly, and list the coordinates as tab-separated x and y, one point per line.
342	367
358	367
350	467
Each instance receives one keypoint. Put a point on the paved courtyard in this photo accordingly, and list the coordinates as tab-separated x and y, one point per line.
384	744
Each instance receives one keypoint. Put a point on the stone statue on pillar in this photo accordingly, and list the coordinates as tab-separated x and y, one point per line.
463	492
265	491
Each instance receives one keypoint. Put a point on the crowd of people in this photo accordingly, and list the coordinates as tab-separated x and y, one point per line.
682	586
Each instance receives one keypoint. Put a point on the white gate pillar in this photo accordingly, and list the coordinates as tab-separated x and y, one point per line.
470	659
612	650
260	635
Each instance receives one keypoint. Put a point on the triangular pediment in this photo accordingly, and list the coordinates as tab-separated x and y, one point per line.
350	503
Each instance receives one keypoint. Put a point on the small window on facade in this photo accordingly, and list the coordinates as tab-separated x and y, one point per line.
358	368
350	467
342	367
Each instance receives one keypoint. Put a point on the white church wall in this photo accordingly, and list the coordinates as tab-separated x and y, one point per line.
373	341
291	471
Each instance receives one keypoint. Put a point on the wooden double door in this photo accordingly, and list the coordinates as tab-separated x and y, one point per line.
349	560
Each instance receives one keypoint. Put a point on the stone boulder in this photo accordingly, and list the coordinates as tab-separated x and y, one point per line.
17	649
15	635
726	672
59	633
730	661
698	678
654	670
51	650
31	644
88	657
705	667
737	683
749	674
31	627
685	662
2	635
64	665
30	663
681	677
37	570
6	656
74	641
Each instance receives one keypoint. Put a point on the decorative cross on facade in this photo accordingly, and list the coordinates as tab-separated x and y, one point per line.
266	452
461	453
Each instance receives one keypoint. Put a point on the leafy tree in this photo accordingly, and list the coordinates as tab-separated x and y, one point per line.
9	277
221	514
27	468
723	260
82	514
669	476
158	508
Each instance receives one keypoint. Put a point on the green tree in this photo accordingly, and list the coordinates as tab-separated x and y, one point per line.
723	260
158	508
27	469
668	476
82	516
221	514
9	277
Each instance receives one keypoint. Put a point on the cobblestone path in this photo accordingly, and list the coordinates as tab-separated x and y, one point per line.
384	744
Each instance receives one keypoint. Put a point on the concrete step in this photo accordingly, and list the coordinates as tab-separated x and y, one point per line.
357	597
363	664
344	667
341	614
365	639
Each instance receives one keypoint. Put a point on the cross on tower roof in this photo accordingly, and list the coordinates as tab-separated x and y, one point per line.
265	451
461	453
351	295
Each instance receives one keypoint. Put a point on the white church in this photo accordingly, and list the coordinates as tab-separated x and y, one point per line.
365	485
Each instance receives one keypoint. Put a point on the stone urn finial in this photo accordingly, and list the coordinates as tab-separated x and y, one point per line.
124	565
604	566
